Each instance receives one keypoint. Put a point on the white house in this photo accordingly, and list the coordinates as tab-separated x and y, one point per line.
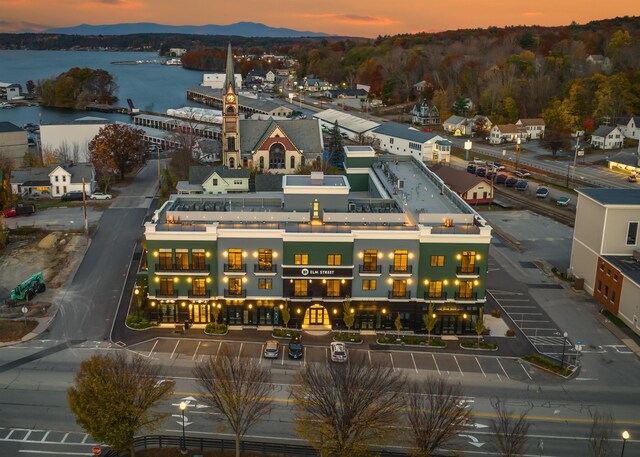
9	91
534	128
599	62
423	114
401	140
607	137
262	75
177	52
56	180
70	142
505	133
459	125
216	80
215	180
630	127
316	85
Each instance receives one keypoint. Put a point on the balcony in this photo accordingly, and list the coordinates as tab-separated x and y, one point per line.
399	295
333	297
466	272
205	294
364	270
235	293
441	297
405	270
300	295
235	269
467	297
166	294
258	269
191	269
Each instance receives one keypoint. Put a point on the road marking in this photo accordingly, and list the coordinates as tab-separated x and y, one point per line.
304	359
414	362
194	354
283	351
240	351
525	370
392	365
84	440
499	377
326	355
370	362
154	346
503	370
174	349
45	436
434	361
217	351
7	437
485	375
30	451
26	437
455	358
64	438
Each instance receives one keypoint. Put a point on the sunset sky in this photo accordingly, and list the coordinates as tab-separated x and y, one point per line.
367	18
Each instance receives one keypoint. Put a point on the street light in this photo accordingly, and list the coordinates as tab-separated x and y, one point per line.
564	343
183	446
625	437
518	141
467	148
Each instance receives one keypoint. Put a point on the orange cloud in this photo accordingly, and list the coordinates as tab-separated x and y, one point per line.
119	4
353	19
21	26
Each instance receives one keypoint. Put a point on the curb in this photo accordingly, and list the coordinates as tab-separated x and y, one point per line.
43	325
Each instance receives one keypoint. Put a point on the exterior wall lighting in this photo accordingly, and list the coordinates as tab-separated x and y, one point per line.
219	305
352	311
225	254
343	281
153	304
360	255
478	256
335	311
456	282
476	282
225	280
136	291
189	280
208	280
244	280
207	254
324	281
274	254
409	281
176	279
458	257
390	281
426	282
183	304
434	315
464	316
155	253
250	306
380	255
384	310
156	279
445	282
411	255
391	255
255	253
298	310
281	306
244	254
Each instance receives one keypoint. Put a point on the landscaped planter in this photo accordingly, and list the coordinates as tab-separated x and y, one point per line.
348	339
488	349
411	341
543	364
221	330
284	334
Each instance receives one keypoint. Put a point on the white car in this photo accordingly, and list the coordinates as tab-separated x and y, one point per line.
100	196
271	349
338	352
522	174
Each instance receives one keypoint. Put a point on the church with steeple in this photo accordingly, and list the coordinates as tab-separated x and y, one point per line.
276	146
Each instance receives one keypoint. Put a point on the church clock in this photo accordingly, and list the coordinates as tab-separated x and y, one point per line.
230	98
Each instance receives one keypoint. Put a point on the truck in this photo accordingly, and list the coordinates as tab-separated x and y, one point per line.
28	288
20	210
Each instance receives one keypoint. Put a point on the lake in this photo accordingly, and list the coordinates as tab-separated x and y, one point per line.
151	87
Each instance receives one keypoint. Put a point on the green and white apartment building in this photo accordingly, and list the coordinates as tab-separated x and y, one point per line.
360	238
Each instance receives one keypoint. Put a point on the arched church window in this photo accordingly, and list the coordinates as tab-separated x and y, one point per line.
276	156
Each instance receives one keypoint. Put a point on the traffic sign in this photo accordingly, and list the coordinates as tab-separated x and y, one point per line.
96	450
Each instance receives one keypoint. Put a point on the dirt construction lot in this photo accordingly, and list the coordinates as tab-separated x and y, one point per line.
55	254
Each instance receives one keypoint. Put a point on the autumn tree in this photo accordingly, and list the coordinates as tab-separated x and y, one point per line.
430	319
345	409
348	315
436	414
237	389
77	88
508	432
117	147
480	328
114	397
7	198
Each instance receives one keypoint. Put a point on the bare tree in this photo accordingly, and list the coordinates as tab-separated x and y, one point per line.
436	413
344	409
236	387
509	433
600	435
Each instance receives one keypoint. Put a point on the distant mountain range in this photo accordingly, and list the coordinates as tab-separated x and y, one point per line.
245	29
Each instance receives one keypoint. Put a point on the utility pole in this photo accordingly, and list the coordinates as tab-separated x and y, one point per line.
84	208
158	152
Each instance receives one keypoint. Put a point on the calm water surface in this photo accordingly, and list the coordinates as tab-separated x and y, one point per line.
151	87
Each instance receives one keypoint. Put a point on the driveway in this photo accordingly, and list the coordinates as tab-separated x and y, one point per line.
57	218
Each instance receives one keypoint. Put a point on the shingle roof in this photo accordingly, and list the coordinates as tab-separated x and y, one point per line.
613	197
304	133
534	121
508	128
402	131
455	120
268	183
458	180
603	130
225	172
77	171
348	92
9	127
22	175
626	158
198	174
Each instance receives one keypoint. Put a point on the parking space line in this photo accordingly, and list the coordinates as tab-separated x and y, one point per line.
64	438
304	359
261	352
505	371
485	375
174	349
218	350
326	355
525	370
414	362
154	346
434	361
240	351
370	362
26	437
86	436
499	377
392	365
7	437
44	437
454	358
282	363
194	354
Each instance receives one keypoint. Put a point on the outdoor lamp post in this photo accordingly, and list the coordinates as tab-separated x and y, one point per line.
183	446
625	437
518	142
564	343
467	148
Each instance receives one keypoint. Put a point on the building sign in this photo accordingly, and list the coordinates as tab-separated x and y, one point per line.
316	272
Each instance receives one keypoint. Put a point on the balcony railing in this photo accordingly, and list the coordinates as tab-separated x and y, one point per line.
262	269
242	268
466	271
204	294
442	296
467	297
300	295
173	268
399	295
407	269
166	294
341	296
235	293
369	269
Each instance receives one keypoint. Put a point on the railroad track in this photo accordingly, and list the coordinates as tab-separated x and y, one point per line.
560	214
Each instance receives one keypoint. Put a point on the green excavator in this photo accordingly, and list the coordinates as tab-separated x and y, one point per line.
29	288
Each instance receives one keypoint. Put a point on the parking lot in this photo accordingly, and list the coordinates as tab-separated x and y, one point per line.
413	362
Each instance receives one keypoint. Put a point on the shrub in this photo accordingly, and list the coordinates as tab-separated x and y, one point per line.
510	332
537	359
413	340
284	333
496	312
347	337
216	329
470	344
139	322
25	231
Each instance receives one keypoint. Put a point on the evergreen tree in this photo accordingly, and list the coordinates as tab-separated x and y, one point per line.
336	153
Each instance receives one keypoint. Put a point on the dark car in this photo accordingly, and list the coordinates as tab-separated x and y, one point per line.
471	168
489	175
542	192
72	196
295	348
522	185
501	178
511	182
481	172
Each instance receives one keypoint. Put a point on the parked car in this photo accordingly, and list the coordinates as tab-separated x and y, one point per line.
511	182
471	168
295	348
489	175
20	210
72	196
338	352
501	178
498	166
100	196
542	192
522	185
271	349
481	172
632	178
522	174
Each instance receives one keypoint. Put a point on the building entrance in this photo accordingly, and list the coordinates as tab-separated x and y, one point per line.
316	316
